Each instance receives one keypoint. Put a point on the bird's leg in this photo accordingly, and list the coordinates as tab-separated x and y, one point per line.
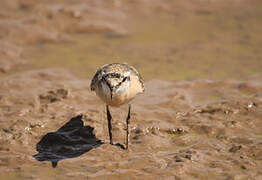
127	125
109	117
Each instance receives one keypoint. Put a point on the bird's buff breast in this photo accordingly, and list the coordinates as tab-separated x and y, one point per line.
122	96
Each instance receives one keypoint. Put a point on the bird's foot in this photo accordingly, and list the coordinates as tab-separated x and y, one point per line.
119	145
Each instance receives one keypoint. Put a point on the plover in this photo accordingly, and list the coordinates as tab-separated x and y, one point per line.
117	84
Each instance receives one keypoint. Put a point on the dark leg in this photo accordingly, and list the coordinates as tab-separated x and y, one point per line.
109	117
127	125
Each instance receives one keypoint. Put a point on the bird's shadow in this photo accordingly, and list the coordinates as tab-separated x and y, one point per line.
71	140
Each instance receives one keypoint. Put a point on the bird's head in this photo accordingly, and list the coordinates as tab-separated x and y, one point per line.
116	83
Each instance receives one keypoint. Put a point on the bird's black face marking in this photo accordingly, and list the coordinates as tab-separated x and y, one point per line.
112	75
127	78
104	79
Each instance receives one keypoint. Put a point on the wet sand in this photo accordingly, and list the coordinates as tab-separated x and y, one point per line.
188	129
193	122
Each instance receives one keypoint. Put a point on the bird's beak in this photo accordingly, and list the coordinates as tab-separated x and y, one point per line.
113	91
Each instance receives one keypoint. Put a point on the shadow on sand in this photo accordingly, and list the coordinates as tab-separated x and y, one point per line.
71	140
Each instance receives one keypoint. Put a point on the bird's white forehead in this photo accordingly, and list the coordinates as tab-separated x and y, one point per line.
127	73
114	81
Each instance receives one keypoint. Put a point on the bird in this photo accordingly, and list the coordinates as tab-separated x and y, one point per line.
117	84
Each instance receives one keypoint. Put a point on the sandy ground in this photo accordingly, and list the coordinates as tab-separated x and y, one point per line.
175	132
187	129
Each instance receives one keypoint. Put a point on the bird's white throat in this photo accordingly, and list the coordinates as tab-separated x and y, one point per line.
122	89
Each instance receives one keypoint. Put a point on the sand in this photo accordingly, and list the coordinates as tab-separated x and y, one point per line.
192	122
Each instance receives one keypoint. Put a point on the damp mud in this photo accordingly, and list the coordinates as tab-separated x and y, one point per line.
188	130
200	115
